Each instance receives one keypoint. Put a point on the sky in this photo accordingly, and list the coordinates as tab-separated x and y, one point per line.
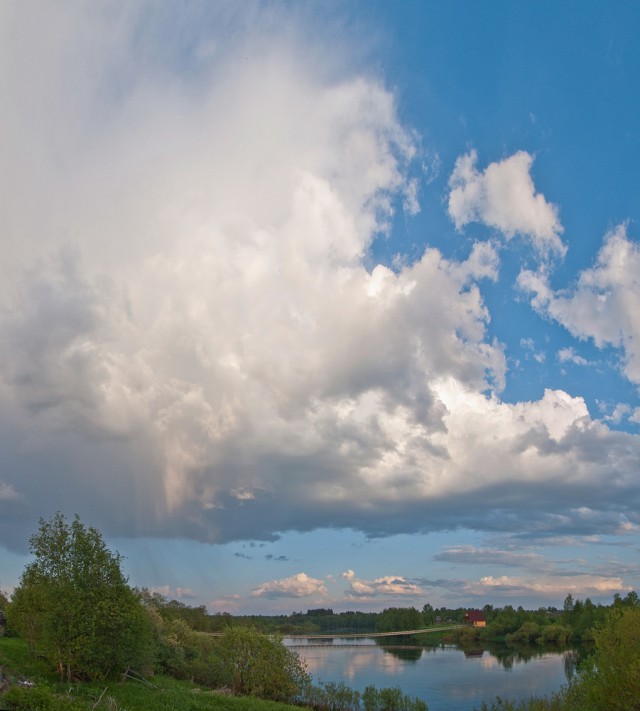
325	304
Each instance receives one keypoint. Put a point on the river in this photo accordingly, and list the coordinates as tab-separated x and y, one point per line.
446	677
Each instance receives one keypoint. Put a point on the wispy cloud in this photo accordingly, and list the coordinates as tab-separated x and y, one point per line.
387	586
556	587
470	555
177	593
8	492
569	355
529	346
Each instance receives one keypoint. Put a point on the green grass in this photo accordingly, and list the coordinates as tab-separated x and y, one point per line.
169	694
15	660
172	695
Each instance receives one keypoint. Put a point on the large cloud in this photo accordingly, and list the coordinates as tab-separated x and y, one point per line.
192	345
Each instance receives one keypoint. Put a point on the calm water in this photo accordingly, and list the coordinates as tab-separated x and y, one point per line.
447	678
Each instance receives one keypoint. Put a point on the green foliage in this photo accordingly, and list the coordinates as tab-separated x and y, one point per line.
74	604
390	699
39	698
165	694
4	606
25	614
194	654
395	619
614	681
468	637
258	665
527	634
332	696
171	695
555	634
557	702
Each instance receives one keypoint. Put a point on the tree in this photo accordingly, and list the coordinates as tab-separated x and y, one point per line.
614	683
631	599
428	614
4	605
568	604
26	612
73	602
397	619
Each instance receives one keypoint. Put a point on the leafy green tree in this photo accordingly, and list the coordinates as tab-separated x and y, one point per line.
397	619
614	682
631	599
428	614
25	614
4	606
73	602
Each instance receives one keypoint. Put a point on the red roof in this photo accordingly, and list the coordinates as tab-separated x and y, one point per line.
474	616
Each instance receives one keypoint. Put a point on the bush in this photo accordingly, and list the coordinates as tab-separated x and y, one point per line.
331	696
555	634
527	634
390	699
38	698
254	664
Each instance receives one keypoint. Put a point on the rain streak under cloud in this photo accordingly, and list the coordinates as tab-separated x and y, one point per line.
202	341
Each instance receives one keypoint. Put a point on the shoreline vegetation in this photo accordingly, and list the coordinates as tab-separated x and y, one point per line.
77	636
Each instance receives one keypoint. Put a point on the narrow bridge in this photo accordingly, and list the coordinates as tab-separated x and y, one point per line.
359	635
365	635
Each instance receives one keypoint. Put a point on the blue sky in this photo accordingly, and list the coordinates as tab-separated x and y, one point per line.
325	304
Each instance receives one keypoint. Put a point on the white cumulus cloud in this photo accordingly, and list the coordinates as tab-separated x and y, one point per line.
603	304
503	196
386	586
298	585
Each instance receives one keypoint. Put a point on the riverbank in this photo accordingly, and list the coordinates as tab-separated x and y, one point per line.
158	693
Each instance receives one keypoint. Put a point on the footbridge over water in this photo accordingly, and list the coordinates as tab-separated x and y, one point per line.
369	635
359	635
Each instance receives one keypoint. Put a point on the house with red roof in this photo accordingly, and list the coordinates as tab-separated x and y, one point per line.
475	618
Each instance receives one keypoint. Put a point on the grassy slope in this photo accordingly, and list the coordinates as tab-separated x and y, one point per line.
171	695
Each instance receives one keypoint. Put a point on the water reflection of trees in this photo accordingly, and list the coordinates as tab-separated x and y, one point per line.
408	653
506	656
473	653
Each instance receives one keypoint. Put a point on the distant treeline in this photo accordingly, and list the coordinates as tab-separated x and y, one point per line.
573	623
